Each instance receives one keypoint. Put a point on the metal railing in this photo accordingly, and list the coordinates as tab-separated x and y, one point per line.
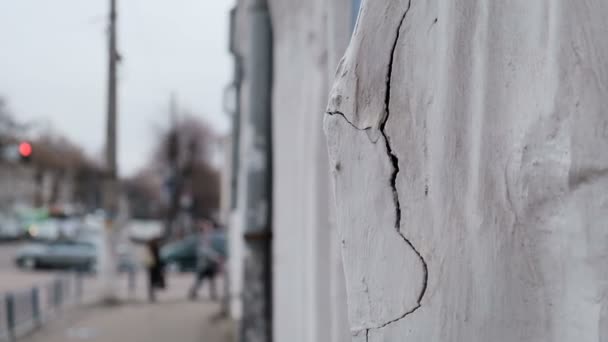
23	311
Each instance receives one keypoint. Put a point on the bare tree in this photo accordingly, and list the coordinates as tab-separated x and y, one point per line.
195	141
143	191
187	149
64	161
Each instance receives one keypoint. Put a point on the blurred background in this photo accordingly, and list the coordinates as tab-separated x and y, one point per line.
164	162
111	130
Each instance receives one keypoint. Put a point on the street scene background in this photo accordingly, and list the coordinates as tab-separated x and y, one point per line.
112	132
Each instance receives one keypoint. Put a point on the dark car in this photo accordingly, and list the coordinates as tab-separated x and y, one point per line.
70	255
76	255
180	255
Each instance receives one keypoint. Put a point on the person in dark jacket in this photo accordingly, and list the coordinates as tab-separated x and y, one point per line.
156	276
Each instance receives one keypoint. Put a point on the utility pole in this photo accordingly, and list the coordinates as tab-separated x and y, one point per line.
111	199
112	94
175	178
257	294
235	112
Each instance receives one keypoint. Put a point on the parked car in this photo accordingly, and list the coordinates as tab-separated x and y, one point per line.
180	255
81	255
76	255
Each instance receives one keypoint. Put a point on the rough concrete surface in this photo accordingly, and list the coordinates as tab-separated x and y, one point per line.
468	148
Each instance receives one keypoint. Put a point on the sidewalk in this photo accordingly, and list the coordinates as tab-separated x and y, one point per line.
171	319
15	281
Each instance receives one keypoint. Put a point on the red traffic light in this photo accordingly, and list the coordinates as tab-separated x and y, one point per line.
25	149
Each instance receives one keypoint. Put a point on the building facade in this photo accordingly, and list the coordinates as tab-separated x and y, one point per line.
308	290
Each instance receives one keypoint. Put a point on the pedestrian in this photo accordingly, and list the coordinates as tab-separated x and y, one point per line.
156	277
211	253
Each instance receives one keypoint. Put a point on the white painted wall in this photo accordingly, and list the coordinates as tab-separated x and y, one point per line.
235	264
494	133
340	22
236	224
233	220
300	223
309	294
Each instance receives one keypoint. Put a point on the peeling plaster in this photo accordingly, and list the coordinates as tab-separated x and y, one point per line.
349	122
498	108
394	162
382	242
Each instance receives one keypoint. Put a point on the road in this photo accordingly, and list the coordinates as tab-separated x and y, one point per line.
14	279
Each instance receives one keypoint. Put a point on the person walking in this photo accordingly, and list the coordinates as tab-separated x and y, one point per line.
156	277
211	253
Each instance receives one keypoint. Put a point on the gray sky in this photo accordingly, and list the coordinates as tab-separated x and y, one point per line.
53	66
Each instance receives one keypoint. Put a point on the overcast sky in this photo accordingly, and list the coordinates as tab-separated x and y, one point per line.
53	66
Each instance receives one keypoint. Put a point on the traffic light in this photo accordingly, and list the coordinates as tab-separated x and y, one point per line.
25	151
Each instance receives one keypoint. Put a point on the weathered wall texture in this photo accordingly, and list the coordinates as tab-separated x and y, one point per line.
236	244
468	142
308	287
309	296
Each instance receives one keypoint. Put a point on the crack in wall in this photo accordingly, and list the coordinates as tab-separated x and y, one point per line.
395	162
348	121
393	177
370	133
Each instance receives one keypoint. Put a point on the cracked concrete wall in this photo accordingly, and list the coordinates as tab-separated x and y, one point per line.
467	144
308	286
